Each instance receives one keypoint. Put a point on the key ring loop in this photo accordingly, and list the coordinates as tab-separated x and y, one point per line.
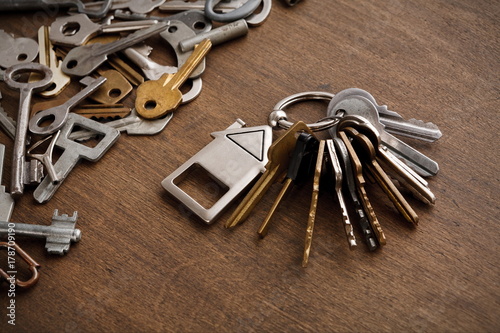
279	119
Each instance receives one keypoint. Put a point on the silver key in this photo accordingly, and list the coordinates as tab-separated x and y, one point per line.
74	152
361	106
26	92
43	4
7	124
345	161
393	122
76	30
58	114
221	7
59	235
6	200
136	6
46	158
151	69
217	36
14	51
337	171
83	60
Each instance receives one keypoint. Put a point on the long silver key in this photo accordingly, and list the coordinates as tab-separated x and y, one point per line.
337	172
393	122
151	69
26	92
76	30
6	200
83	60
136	6
59	114
221	7
361	106
74	152
344	159
59	235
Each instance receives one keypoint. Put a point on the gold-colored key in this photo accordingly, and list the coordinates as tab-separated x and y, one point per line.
368	152
87	110
314	203
360	185
279	155
156	98
125	69
113	90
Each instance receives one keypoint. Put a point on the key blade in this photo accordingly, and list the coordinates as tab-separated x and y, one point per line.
83	60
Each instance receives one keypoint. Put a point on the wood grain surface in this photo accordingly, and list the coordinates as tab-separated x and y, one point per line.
145	264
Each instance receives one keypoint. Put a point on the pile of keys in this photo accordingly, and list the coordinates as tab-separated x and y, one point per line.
107	59
361	146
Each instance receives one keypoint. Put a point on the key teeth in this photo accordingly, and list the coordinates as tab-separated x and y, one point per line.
64	217
429	124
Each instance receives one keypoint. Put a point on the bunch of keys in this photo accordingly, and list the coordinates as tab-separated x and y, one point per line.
360	146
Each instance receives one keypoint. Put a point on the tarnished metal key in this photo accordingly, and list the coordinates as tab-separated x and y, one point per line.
300	169
314	203
74	152
7	124
279	155
156	98
16	51
350	185
83	60
368	154
26	92
360	186
338	177
6	200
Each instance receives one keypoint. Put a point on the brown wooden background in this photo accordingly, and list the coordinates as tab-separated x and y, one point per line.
143	265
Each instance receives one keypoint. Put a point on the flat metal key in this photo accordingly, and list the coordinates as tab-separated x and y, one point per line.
300	169
393	122
361	106
279	155
368	153
16	51
7	124
76	30
156	98
26	92
83	60
314	203
74	152
350	185
338	176
59	114
6	200
360	187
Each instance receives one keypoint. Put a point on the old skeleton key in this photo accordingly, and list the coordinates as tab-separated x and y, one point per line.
83	60
74	152
156	98
26	91
59	114
279	156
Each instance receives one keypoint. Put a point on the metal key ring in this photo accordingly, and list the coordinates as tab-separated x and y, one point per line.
278	117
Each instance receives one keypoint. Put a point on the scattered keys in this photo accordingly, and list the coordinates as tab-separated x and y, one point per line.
279	155
83	60
157	98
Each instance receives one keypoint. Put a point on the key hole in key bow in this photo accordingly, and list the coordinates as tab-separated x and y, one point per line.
22	57
46	120
114	93
70	28
150	105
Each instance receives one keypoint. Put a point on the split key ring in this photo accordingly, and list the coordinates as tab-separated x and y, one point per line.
279	119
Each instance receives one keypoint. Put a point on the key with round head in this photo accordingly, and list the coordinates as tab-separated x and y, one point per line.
279	155
360	186
156	98
84	59
338	176
361	106
350	185
367	151
26	92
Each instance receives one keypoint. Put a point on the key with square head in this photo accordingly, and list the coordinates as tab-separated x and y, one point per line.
76	30
279	155
400	171
350	185
300	169
83	60
338	176
74	152
360	187
361	106
26	92
365	148
156	98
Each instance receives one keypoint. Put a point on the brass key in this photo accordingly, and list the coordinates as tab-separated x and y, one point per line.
364	145
156	98
314	203
279	155
360	182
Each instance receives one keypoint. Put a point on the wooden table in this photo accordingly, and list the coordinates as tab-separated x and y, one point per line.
144	264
